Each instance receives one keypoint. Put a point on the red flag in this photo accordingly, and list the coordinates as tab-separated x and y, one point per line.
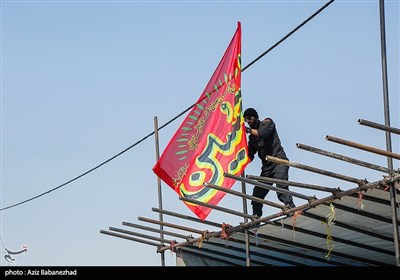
211	140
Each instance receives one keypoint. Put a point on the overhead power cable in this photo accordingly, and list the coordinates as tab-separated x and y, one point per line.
173	119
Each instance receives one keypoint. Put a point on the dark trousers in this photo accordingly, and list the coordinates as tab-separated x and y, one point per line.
277	171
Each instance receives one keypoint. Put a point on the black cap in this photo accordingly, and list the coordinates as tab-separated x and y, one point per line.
250	112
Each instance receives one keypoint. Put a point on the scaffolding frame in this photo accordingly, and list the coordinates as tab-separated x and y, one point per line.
282	218
212	244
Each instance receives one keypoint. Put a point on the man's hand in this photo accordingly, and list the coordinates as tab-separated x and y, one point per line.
248	129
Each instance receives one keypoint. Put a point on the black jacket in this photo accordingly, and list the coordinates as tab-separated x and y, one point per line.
267	143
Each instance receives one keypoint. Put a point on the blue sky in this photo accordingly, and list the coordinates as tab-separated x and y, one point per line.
83	80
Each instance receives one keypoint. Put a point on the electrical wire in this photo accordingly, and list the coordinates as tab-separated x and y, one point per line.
173	119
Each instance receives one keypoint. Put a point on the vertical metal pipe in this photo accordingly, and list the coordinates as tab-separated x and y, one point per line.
246	232
160	215
387	123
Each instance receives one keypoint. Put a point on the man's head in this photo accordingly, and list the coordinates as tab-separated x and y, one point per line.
250	115
250	112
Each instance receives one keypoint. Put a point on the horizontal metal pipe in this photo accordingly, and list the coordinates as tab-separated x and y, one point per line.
140	235
344	158
363	147
170	225
295	184
130	238
178	215
154	230
226	210
310	205
268	218
268	187
315	170
379	126
257	199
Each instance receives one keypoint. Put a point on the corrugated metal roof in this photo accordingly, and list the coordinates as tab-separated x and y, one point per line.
361	235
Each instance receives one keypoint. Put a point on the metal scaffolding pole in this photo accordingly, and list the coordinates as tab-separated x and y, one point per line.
219	208
316	170
246	232
268	187
170	225
155	230
379	126
245	196
343	158
294	184
130	238
160	216
277	215
364	147
387	123
141	235
193	219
